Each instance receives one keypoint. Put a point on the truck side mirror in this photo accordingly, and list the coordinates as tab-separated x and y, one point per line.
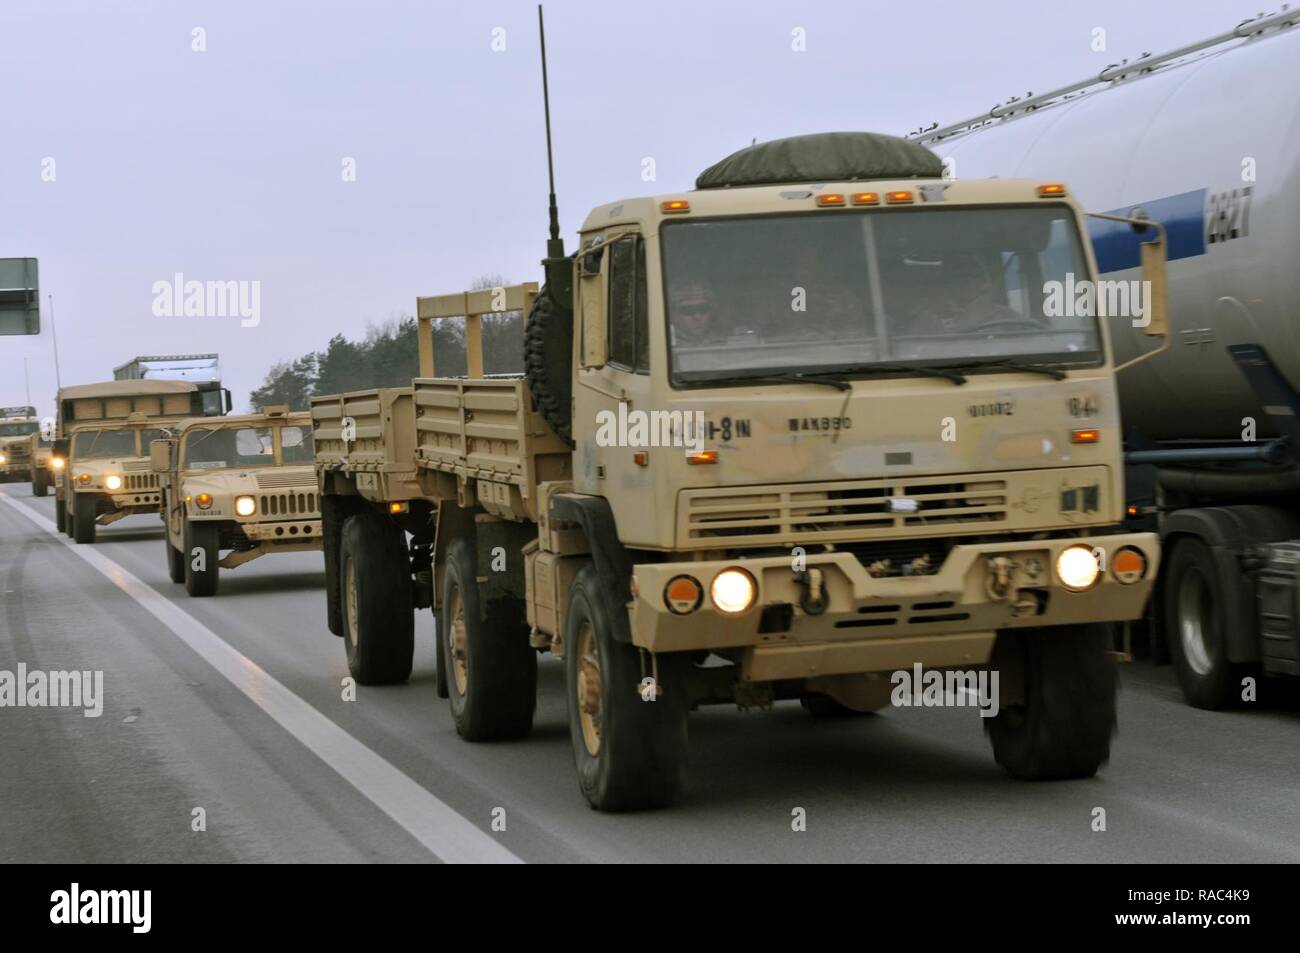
1155	284
161	455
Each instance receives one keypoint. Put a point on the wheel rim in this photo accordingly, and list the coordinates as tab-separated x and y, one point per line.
457	641
588	689
1193	618
350	600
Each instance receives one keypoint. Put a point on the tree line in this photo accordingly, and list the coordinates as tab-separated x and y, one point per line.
389	356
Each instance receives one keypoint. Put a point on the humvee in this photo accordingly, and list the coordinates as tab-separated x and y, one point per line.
45	466
244	484
17	426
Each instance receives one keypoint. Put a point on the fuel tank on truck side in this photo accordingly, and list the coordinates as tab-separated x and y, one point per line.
1209	145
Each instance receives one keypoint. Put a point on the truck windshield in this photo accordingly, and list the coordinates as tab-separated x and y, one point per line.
222	447
91	444
841	290
19	429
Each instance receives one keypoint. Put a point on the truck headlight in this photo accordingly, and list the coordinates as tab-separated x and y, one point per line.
113	482
733	591
245	505
1077	567
56	463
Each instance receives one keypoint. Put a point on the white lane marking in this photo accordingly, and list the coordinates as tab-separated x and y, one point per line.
430	821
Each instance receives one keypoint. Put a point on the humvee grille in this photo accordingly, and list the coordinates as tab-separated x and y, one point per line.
140	481
301	503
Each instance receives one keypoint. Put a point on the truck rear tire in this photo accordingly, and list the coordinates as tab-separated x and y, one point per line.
630	753
40	482
207	538
83	518
1064	725
1194	627
491	668
60	516
378	618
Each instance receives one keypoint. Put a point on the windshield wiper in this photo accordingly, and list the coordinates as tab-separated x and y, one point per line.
793	378
1012	365
922	369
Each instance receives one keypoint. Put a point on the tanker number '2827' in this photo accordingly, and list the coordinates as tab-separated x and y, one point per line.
1227	216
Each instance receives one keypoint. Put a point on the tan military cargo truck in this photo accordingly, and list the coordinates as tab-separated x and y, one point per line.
104	432
788	435
44	464
244	484
17	425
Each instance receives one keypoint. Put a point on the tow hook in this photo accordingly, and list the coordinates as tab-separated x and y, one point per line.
812	591
998	582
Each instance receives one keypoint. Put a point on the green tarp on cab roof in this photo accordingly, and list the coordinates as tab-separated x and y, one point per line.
823	157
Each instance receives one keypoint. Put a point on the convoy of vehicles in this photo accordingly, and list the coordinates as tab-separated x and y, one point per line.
245	484
908	485
1205	140
17	425
104	432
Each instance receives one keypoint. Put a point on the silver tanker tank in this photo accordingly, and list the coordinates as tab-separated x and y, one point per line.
1206	139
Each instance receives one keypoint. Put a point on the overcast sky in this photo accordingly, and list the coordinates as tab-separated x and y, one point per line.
227	164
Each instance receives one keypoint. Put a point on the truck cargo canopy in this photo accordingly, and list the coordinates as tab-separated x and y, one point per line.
823	157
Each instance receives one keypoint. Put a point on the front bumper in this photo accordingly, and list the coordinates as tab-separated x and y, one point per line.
877	624
282	531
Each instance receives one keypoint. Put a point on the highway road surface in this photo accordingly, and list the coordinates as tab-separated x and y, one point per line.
229	715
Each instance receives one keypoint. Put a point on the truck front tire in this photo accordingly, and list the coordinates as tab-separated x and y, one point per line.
60	515
204	538
1194	627
491	670
630	752
40	482
1063	726
83	518
378	618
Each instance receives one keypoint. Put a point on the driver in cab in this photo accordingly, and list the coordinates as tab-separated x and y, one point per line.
964	300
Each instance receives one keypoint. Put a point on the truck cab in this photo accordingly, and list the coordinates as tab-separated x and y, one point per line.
244	484
17	425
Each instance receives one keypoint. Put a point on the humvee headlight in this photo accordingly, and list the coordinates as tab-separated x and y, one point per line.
204	500
245	506
3	459
733	591
113	482
57	463
1077	567
83	478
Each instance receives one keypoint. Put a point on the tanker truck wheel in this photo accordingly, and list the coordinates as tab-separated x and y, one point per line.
40	482
83	518
548	359
60	515
199	558
1194	627
378	617
630	753
1062	726
491	670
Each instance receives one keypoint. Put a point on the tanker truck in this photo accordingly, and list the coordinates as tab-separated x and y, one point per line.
1204	139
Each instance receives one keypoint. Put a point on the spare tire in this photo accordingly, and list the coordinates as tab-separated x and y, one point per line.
548	362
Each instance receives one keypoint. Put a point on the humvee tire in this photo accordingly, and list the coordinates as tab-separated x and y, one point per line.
60	516
1064	726
491	668
83	518
630	753
175	561
548	359
378	615
207	537
40	482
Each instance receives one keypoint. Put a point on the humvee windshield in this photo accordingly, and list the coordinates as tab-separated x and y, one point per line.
222	447
296	445
19	429
92	444
843	289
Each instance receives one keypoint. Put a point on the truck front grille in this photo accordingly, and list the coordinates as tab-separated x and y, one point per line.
302	503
